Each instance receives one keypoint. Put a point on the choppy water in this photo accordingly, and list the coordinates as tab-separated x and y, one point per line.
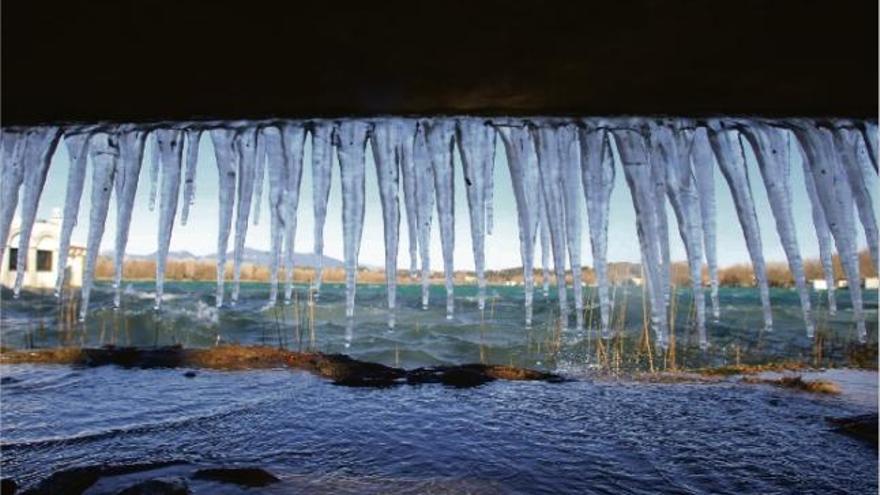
423	338
584	436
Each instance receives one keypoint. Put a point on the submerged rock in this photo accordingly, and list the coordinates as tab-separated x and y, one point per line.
75	481
8	486
169	486
251	477
863	427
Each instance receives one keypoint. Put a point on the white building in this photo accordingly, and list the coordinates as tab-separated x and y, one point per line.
820	284
42	259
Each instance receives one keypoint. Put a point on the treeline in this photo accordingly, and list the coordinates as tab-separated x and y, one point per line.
739	275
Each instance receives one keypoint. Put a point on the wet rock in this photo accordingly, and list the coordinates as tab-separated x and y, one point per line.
8	380
167	486
8	486
863	427
341	369
250	477
76	480
344	370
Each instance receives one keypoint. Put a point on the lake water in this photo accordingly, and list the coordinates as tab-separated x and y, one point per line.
596	434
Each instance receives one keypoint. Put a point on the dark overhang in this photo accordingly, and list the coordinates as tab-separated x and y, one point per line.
144	60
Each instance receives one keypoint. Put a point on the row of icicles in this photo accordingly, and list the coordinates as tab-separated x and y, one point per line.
552	162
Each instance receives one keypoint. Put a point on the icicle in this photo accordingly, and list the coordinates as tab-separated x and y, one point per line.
193	136
658	176
105	154
259	177
704	172
386	138
836	198
245	145
171	147
37	157
476	145
846	142
870	135
14	145
823	234
571	174
351	141
439	136
731	160
131	155
550	168
771	149
225	154
294	141
322	170
277	170
77	150
597	175
521	161
634	157
410	199
155	156
544	237
671	143
425	207
489	185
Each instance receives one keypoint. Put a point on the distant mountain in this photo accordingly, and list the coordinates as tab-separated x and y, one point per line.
250	255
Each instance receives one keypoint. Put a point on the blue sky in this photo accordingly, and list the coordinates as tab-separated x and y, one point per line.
502	248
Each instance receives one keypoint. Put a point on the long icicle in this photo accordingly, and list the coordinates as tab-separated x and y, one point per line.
837	203
846	142
259	178
245	145
870	135
658	176
823	234
193	138
770	145
350	147
672	144
633	151
547	144
570	166
439	135
77	150
523	174
385	140
703	166
425	208
476	145
277	167
131	156
322	172
12	175
597	175
171	149
227	169
37	158
729	155
155	157
104	151
543	236
410	198
294	142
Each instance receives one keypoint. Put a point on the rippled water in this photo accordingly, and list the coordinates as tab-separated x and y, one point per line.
584	436
575	437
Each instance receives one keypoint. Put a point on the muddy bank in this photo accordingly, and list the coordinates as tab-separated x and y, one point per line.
339	368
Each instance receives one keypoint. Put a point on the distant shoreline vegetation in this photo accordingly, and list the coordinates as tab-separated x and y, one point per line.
738	275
